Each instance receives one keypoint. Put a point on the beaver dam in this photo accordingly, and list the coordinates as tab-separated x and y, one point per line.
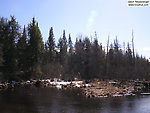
96	88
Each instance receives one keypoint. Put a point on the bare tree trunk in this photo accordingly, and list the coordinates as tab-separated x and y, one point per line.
133	49
107	67
133	44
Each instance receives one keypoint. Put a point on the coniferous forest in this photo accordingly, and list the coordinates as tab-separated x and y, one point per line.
24	55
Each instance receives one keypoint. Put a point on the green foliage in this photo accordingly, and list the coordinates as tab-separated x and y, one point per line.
51	46
22	51
70	58
4	27
89	59
2	24
11	35
62	45
97	60
35	48
70	45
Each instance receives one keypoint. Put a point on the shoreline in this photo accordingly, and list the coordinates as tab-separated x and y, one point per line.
108	88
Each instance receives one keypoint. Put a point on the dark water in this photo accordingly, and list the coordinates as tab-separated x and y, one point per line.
51	100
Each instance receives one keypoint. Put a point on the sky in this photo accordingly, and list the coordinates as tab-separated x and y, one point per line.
84	17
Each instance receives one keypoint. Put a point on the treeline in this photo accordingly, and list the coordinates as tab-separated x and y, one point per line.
24	55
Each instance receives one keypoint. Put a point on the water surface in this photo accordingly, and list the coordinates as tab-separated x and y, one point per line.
52	100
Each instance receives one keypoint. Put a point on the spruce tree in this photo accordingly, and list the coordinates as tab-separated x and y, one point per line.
9	48
60	47
36	46
87	55
62	44
96	60
2	35
111	61
70	45
70	58
51	46
129	55
45	54
22	51
79	58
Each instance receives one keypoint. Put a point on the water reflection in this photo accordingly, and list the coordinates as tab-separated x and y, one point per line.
14	101
51	100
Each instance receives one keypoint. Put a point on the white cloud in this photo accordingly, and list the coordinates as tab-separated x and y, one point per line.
91	19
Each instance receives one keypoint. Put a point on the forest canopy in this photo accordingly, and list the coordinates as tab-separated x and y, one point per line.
24	55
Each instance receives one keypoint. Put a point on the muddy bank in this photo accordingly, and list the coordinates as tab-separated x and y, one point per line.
108	88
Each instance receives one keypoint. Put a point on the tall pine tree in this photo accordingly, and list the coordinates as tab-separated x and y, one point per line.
51	46
70	45
36	46
70	58
9	49
22	51
62	44
3	33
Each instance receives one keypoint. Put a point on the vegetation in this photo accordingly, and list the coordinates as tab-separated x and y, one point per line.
24	55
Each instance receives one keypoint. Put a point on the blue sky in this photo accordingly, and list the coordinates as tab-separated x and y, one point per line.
84	17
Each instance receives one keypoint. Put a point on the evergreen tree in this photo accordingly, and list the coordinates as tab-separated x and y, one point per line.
60	47
111	62
45	54
79	58
70	45
9	48
3	30
97	60
63	49
87	55
22	51
51	46
64	40
128	55
116	52
62	44
1	56
36	46
70	58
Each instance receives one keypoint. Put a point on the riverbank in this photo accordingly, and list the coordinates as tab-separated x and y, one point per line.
95	88
109	89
